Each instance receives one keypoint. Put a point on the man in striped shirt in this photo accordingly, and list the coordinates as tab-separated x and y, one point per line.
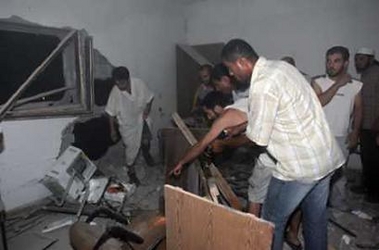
285	117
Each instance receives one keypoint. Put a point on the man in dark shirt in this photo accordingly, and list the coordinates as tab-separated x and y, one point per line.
368	68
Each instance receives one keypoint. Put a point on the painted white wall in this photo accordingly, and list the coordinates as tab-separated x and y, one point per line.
138	34
304	29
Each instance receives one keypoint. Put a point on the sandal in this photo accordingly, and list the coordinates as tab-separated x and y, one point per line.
292	245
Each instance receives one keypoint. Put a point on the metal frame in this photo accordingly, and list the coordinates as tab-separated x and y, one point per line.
83	68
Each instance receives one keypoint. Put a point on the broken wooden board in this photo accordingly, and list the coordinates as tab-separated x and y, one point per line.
194	223
221	183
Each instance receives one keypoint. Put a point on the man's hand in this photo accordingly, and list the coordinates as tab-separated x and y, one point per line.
147	109
177	170
343	80
352	139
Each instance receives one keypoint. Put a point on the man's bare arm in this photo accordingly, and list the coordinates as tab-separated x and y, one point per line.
230	117
326	96
112	127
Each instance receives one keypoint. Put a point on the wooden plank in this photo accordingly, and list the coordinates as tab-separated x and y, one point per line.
12	100
213	190
224	188
222	184
44	94
194	223
185	130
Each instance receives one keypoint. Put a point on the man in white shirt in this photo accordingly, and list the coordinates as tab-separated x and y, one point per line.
285	117
128	107
340	96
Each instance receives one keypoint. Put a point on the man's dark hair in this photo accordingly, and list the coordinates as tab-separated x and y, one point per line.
238	48
120	73
215	98
219	71
339	50
207	67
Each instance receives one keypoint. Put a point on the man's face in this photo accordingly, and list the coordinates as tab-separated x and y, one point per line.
122	84
239	69
335	65
204	76
362	62
213	114
224	85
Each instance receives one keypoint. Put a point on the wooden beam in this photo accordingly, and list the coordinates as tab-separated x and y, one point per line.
194	223
222	184
12	100
44	94
184	129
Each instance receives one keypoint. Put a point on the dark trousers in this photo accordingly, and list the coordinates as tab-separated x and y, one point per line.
370	162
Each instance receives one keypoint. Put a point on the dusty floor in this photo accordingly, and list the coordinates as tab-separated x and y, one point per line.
345	229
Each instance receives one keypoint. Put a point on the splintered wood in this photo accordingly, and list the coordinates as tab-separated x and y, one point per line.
195	223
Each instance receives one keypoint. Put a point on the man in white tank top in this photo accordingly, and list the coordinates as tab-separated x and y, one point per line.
340	96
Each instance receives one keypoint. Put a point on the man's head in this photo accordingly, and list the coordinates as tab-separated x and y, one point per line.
214	103
363	59
221	79
205	72
337	61
240	59
121	77
289	59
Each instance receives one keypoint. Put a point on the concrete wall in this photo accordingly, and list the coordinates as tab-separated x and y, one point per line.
139	34
304	29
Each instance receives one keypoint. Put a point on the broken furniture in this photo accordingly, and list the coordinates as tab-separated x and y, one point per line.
191	213
193	223
72	179
69	176
146	231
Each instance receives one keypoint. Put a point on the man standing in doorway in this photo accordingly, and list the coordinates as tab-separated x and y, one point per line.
368	67
128	107
286	118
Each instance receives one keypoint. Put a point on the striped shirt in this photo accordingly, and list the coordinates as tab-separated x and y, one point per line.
285	115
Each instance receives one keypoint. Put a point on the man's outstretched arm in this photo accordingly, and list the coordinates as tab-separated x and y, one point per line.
229	118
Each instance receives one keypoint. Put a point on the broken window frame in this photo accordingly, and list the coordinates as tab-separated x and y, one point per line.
81	74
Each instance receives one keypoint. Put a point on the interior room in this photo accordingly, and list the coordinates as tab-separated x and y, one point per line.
56	74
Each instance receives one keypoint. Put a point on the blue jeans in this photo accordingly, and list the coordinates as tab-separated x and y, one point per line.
283	197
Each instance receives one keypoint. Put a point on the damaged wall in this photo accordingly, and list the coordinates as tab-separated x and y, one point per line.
303	29
139	34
